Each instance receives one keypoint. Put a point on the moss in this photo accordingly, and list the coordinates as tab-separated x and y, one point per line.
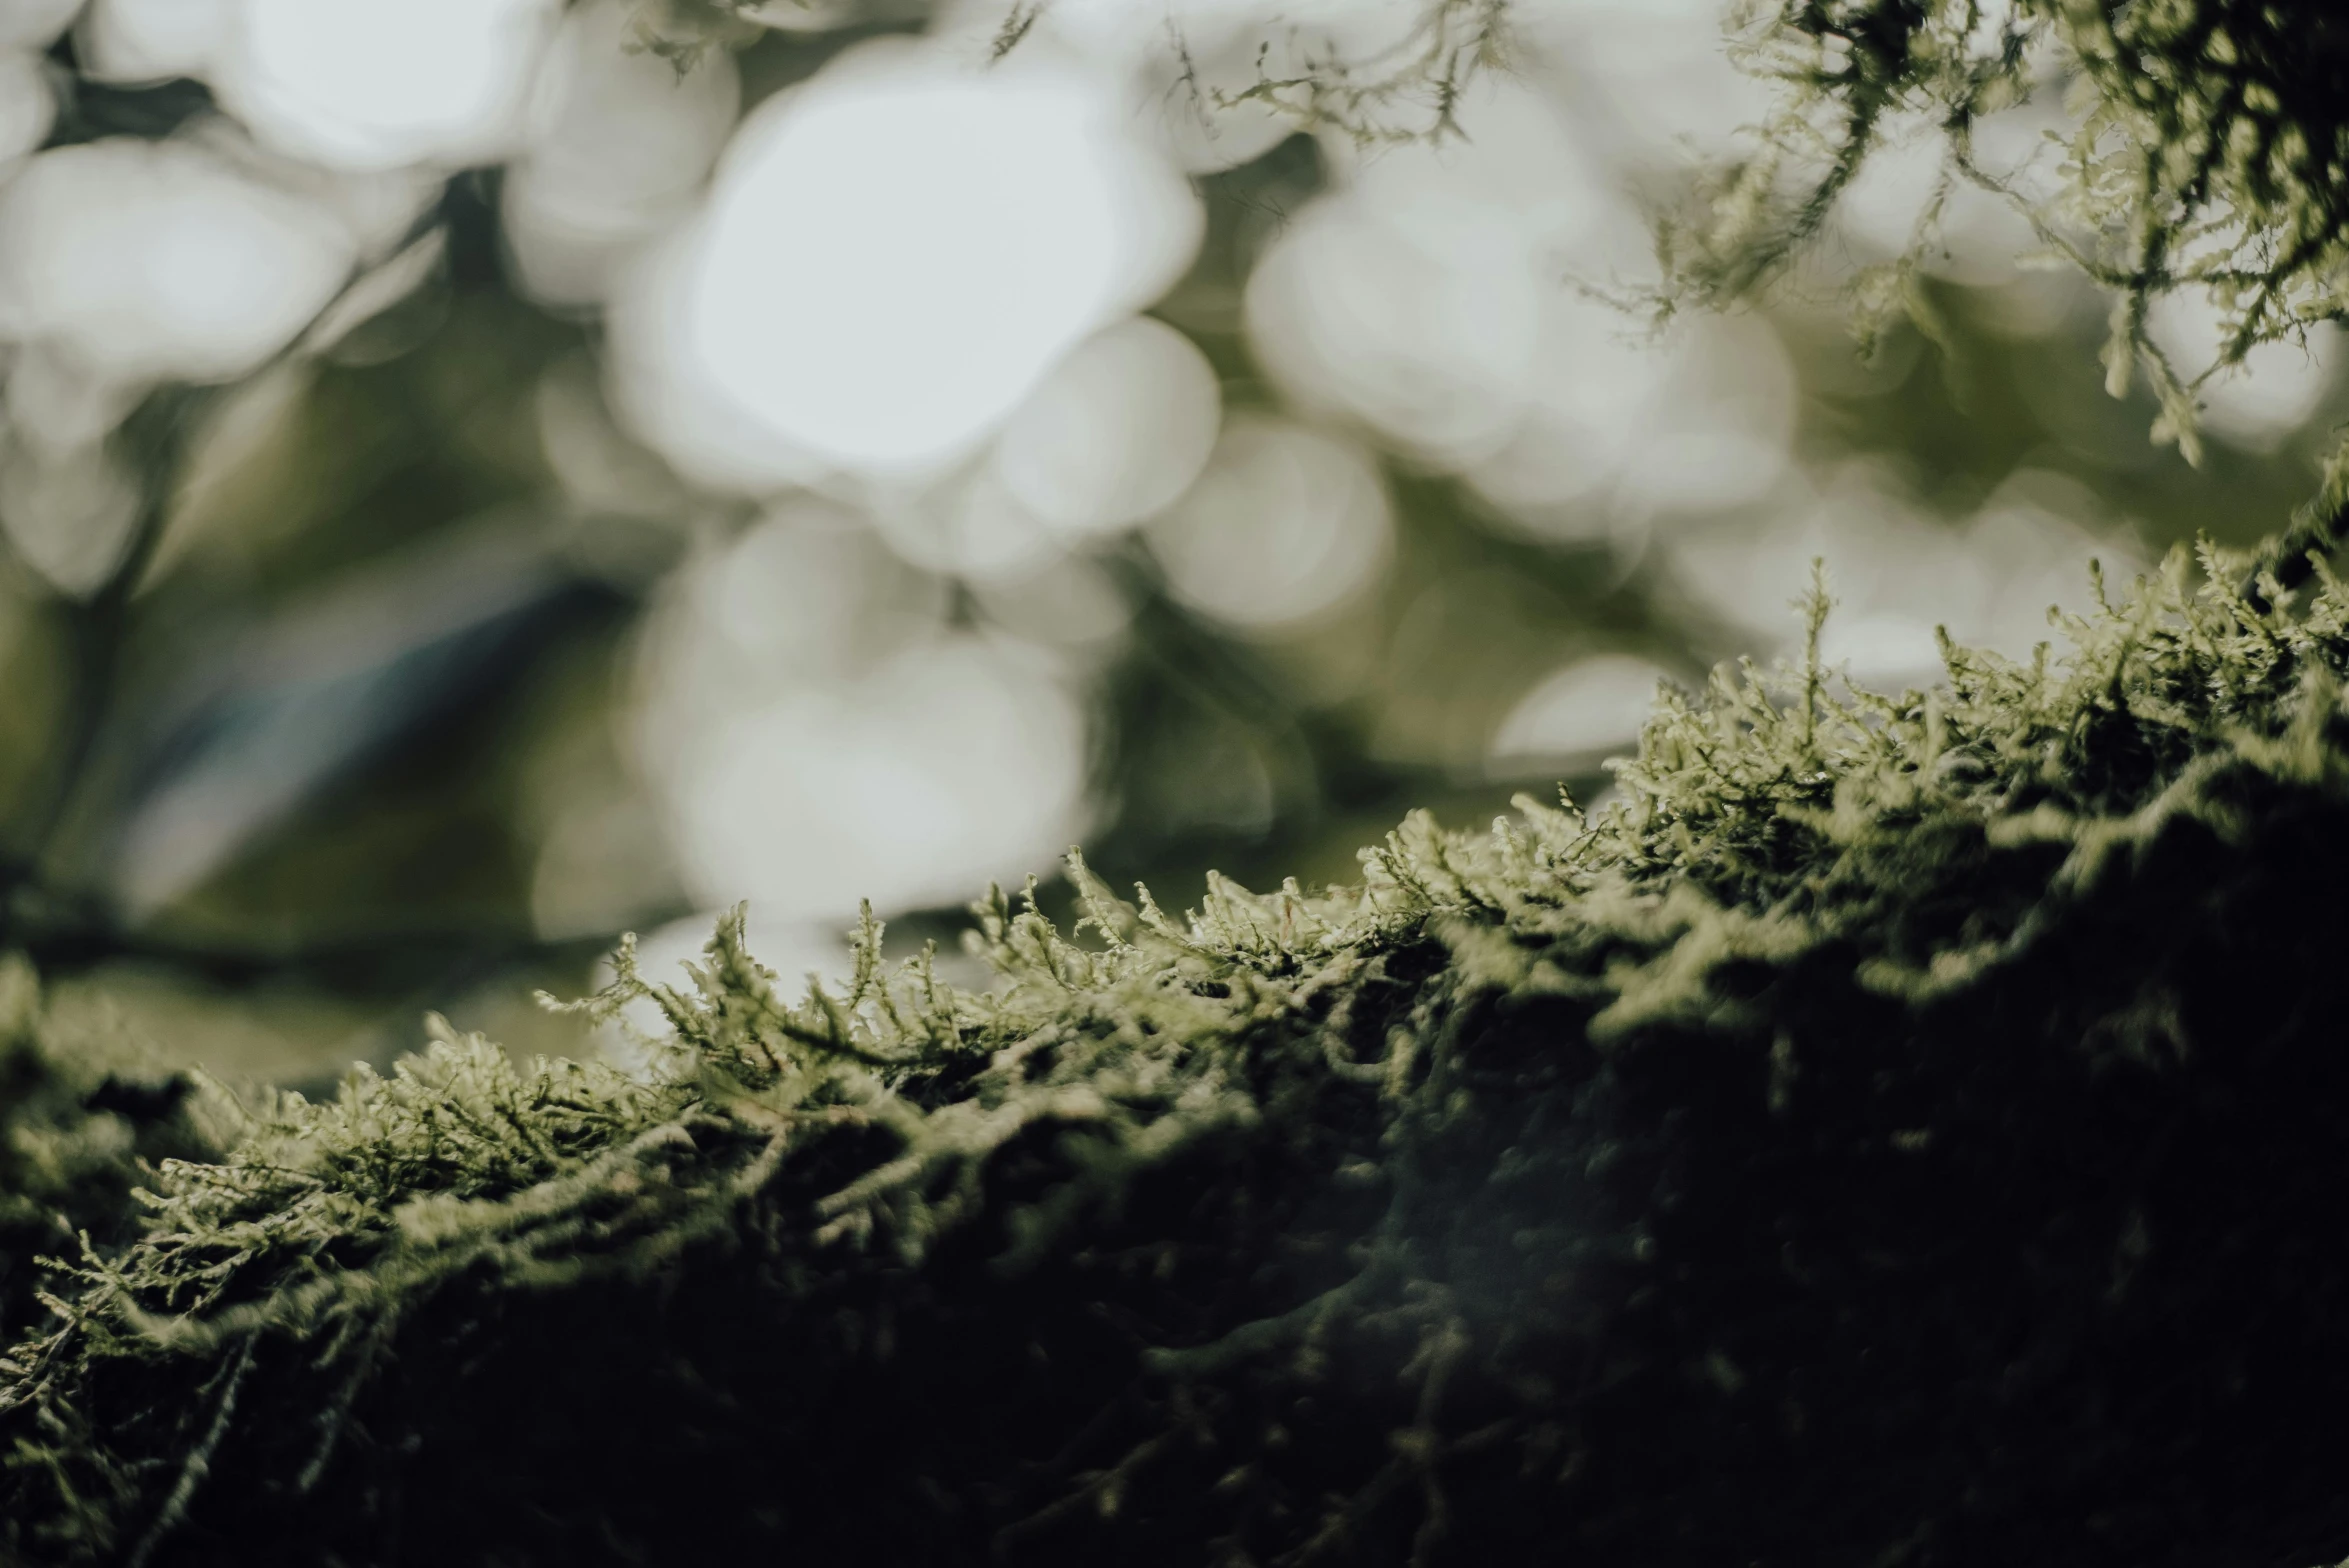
79	1129
1903	1130
2205	150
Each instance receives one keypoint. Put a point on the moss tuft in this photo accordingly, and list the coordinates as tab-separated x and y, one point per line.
1904	1130
79	1131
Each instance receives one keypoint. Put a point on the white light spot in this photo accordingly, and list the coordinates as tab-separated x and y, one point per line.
792	949
1896	575
1656	71
806	597
57	404
375	292
598	467
151	40
805	16
1587	710
948	766
969	526
1882	205
1116	433
1430	298
1974	237
619	141
1196	63
1718	433
1285	525
68	514
2276	389
898	252
145	261
1594	392
1206	133
30	24
27	106
2036	534
665	395
1431	346
1888	648
360	84
815	734
1070	604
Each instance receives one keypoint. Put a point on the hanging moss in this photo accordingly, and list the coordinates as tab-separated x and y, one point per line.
1903	1130
2204	149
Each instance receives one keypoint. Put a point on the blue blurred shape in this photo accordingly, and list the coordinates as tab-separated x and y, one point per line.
321	688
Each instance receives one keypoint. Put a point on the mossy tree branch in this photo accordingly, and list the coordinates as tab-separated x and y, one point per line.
1637	1185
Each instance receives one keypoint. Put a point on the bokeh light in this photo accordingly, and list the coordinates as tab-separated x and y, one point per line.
27	106
1416	298
345	84
1286	524
967	527
151	40
618	143
1650	83
1116	433
1458	299
138	261
819	735
1897	575
356	84
896	253
30	24
66	511
1717	430
2261	402
1580	713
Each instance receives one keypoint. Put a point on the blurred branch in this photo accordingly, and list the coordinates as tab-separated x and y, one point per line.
1409	90
159	432
92	109
374	959
96	625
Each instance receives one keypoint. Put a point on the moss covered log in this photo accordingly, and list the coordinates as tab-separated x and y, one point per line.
1903	1130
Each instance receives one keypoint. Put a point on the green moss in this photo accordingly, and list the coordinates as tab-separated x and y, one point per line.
79	1129
1903	1130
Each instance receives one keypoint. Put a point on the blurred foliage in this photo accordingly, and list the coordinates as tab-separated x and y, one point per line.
2204	148
402	791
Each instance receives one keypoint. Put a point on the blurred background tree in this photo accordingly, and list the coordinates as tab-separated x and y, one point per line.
479	476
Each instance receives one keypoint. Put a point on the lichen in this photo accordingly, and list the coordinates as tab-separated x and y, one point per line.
1903	1129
